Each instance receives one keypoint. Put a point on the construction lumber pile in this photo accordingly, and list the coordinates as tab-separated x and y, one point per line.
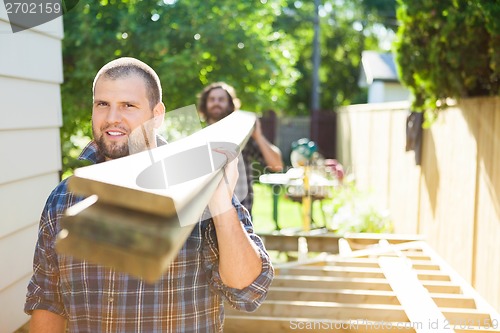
381	284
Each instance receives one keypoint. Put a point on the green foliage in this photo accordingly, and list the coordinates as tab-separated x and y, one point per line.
263	48
188	43
381	11
68	5
344	33
448	49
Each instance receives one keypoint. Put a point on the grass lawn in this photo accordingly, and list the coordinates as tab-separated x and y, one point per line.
289	212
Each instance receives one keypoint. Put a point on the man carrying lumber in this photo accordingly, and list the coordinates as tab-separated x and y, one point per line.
222	259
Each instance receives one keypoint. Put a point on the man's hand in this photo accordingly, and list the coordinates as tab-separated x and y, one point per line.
222	198
257	130
271	153
239	259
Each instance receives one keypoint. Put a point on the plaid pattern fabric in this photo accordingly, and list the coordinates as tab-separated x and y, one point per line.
254	162
188	298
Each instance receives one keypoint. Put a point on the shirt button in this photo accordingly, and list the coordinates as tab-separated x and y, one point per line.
110	300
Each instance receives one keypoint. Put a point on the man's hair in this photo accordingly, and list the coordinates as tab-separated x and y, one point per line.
126	67
234	102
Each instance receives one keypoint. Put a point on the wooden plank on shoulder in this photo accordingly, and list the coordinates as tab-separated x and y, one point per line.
138	211
118	182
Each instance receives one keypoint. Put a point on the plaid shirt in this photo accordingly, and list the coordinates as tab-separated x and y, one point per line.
253	163
188	298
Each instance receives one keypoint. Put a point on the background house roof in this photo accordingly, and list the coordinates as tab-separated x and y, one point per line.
377	66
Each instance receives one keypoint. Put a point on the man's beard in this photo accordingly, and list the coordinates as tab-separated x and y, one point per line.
213	118
140	139
111	150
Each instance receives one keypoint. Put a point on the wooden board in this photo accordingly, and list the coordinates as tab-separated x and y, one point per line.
116	181
136	227
411	293
354	292
319	240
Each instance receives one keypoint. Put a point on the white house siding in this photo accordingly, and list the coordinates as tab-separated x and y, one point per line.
395	92
382	91
30	117
376	92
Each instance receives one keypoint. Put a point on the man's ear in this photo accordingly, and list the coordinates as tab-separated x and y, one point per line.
237	103
202	116
159	114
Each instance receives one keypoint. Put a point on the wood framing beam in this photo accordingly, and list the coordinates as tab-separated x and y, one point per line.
332	271
263	324
363	240
373	262
412	295
416	255
481	303
355	283
453	301
330	310
320	241
385	248
288	243
332	295
361	272
355	291
362	296
366	312
267	324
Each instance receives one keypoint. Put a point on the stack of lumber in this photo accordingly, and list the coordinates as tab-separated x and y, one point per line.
372	285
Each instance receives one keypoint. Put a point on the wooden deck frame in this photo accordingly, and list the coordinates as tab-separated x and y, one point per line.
321	241
352	293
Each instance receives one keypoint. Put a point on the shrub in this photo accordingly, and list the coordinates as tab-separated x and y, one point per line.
448	49
353	210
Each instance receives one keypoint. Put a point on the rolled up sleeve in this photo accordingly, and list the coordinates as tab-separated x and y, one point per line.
251	297
43	289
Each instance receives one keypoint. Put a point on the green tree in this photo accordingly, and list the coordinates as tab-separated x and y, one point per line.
345	33
448	49
263	48
189	43
381	11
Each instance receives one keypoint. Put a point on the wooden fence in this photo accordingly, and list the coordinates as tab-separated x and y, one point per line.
453	197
